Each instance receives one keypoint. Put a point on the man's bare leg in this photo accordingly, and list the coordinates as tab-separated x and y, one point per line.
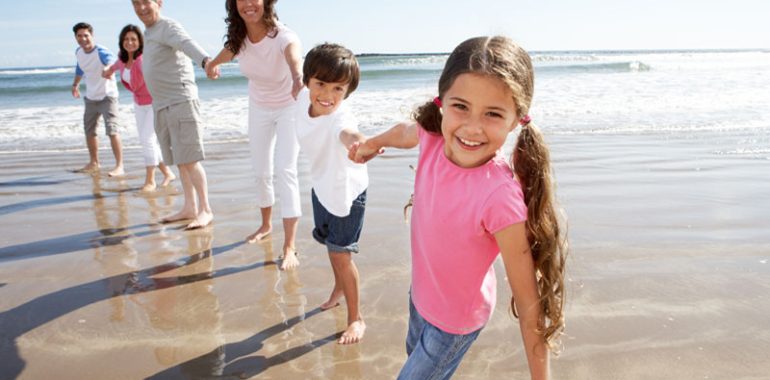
117	151
336	295
204	216
189	210
93	155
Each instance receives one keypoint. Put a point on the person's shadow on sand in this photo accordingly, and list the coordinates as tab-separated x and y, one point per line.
212	364
26	317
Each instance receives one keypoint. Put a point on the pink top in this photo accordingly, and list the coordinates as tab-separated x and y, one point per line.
264	64
456	212
136	86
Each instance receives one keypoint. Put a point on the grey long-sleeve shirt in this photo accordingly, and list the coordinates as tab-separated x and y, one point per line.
167	69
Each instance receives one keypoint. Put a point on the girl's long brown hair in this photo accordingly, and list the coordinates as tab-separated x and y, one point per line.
501	58
122	52
236	27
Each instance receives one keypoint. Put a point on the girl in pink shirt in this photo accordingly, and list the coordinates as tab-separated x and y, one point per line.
129	64
269	55
470	205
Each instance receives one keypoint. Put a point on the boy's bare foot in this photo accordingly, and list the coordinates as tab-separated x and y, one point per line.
202	220
168	179
181	215
333	301
259	234
290	260
148	188
354	333
118	171
89	168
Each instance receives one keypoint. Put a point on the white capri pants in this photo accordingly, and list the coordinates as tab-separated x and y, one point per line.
274	150
145	126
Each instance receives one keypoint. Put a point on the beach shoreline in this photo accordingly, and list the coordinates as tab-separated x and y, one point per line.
658	285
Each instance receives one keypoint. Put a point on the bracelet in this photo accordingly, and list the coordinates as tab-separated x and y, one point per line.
203	63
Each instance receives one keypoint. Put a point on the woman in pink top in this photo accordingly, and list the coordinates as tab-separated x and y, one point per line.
269	55
469	206
129	64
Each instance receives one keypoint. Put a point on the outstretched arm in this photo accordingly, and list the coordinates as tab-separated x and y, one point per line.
212	66
294	60
76	86
402	135
520	269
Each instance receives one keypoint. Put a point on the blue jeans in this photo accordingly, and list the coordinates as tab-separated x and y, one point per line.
433	353
339	234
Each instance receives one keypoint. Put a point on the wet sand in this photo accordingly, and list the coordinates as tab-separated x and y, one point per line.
668	274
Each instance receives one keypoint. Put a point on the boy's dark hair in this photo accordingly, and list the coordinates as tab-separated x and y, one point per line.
332	63
82	25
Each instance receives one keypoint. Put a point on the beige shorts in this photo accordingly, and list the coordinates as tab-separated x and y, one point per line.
178	128
108	109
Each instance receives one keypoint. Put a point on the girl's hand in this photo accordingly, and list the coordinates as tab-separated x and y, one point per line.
362	152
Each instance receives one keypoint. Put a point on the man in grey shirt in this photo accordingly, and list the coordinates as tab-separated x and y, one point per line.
170	78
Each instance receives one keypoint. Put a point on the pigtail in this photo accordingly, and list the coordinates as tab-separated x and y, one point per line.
428	116
532	165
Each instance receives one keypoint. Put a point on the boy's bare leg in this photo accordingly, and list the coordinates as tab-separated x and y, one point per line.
348	275
265	228
334	298
189	210
289	250
204	216
117	151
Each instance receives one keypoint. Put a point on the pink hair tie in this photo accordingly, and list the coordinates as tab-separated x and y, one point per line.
437	101
525	120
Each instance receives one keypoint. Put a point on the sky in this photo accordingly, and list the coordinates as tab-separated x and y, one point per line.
39	33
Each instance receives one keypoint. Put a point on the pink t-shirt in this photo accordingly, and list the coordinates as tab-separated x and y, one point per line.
264	64
456	212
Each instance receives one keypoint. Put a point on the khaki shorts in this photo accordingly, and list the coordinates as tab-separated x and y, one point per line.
108	109
178	128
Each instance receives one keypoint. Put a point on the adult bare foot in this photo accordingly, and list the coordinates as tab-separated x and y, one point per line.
290	260
89	168
202	220
259	234
354	333
181	215
333	301
148	188
118	171
168	179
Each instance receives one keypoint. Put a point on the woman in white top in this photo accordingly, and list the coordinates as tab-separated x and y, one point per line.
269	55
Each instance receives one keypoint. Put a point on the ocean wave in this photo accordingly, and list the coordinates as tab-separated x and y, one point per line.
36	71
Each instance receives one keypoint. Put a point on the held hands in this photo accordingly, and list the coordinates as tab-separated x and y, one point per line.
107	72
212	70
362	152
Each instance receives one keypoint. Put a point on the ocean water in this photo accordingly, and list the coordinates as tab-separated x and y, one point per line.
718	96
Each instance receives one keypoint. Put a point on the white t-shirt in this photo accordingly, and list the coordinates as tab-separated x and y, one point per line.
90	66
336	180
264	64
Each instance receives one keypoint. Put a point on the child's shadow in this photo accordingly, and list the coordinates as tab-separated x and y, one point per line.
212	364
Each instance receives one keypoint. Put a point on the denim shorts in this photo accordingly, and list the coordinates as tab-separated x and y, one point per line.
339	234
432	353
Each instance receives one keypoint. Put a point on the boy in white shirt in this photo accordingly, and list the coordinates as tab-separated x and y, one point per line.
326	129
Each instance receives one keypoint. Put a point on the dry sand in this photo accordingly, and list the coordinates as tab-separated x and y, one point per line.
668	275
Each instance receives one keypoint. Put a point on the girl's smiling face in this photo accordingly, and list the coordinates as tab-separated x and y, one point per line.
478	114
